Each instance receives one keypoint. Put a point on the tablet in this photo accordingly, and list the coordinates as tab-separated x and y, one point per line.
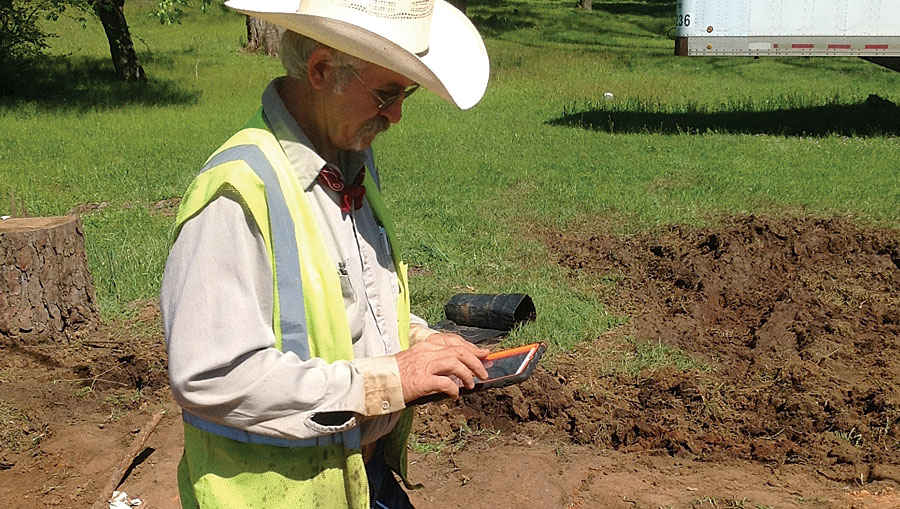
505	367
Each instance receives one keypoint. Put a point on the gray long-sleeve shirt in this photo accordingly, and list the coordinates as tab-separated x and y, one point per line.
216	301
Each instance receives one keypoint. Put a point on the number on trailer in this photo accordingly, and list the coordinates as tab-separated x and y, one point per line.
684	20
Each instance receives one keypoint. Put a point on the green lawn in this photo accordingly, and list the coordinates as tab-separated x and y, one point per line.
681	140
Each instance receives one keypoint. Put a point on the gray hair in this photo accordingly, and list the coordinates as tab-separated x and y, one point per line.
296	50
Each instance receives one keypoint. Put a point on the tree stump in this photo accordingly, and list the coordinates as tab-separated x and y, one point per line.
46	288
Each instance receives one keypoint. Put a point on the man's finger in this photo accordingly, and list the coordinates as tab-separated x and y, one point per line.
463	366
450	339
446	385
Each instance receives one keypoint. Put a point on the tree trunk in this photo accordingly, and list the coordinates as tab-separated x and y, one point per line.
263	35
586	4
46	289
120	46
459	4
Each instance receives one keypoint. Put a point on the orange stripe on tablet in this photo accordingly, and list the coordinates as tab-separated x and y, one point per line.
512	351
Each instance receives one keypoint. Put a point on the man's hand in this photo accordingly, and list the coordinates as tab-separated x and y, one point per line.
427	366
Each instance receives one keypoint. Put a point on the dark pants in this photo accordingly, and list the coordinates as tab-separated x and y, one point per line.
384	490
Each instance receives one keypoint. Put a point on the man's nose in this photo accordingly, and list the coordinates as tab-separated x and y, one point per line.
394	112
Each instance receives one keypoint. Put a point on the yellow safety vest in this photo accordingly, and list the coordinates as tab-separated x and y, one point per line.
224	467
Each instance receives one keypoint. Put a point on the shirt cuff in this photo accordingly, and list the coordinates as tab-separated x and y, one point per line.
384	393
418	333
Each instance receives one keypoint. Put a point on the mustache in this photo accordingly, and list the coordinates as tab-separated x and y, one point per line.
374	127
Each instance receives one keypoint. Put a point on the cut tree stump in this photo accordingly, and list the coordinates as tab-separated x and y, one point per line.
46	288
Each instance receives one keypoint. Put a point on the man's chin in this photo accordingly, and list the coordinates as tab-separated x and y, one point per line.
369	131
364	141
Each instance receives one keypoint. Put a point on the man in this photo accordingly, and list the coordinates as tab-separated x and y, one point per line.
285	305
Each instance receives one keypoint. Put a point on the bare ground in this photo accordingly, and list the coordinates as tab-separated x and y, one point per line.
785	332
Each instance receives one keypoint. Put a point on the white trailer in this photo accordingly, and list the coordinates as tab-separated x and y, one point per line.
760	28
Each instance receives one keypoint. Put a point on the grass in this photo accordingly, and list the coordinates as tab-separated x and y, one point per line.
456	442
852	437
731	502
425	447
647	356
883	432
18	430
682	140
120	403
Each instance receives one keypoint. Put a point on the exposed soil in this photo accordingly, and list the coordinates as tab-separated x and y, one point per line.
770	379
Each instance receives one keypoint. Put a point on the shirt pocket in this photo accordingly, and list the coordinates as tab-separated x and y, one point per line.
388	262
352	303
385	244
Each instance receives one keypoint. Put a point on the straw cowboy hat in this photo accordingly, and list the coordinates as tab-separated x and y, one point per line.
427	41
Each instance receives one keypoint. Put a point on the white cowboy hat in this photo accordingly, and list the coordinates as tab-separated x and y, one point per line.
427	41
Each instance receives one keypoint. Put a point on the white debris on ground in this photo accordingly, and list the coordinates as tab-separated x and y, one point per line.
4	217
608	95
120	500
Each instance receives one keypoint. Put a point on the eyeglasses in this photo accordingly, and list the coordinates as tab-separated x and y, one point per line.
386	102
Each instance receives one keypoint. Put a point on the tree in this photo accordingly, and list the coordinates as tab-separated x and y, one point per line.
124	58
20	35
263	35
112	17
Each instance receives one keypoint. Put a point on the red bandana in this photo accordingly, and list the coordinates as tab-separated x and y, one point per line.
352	195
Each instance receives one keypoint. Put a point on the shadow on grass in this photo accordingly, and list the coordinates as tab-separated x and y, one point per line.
82	83
493	18
498	19
653	8
873	117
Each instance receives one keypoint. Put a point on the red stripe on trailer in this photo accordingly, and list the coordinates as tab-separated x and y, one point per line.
838	46
876	46
803	46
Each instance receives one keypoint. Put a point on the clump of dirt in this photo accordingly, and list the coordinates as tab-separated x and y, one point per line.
166	208
794	328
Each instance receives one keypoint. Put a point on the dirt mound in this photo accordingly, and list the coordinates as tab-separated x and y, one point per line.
789	329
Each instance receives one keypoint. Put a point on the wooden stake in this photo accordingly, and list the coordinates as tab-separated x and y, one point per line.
136	447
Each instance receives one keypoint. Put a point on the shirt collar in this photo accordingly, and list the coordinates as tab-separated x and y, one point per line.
299	150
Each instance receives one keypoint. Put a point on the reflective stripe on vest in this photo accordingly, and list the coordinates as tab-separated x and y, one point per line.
289	284
352	438
292	312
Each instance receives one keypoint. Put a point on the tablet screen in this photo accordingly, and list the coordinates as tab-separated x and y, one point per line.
504	368
508	362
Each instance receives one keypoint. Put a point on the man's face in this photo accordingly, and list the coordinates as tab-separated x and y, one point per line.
357	119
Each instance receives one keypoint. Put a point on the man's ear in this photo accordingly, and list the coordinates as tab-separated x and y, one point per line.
319	69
